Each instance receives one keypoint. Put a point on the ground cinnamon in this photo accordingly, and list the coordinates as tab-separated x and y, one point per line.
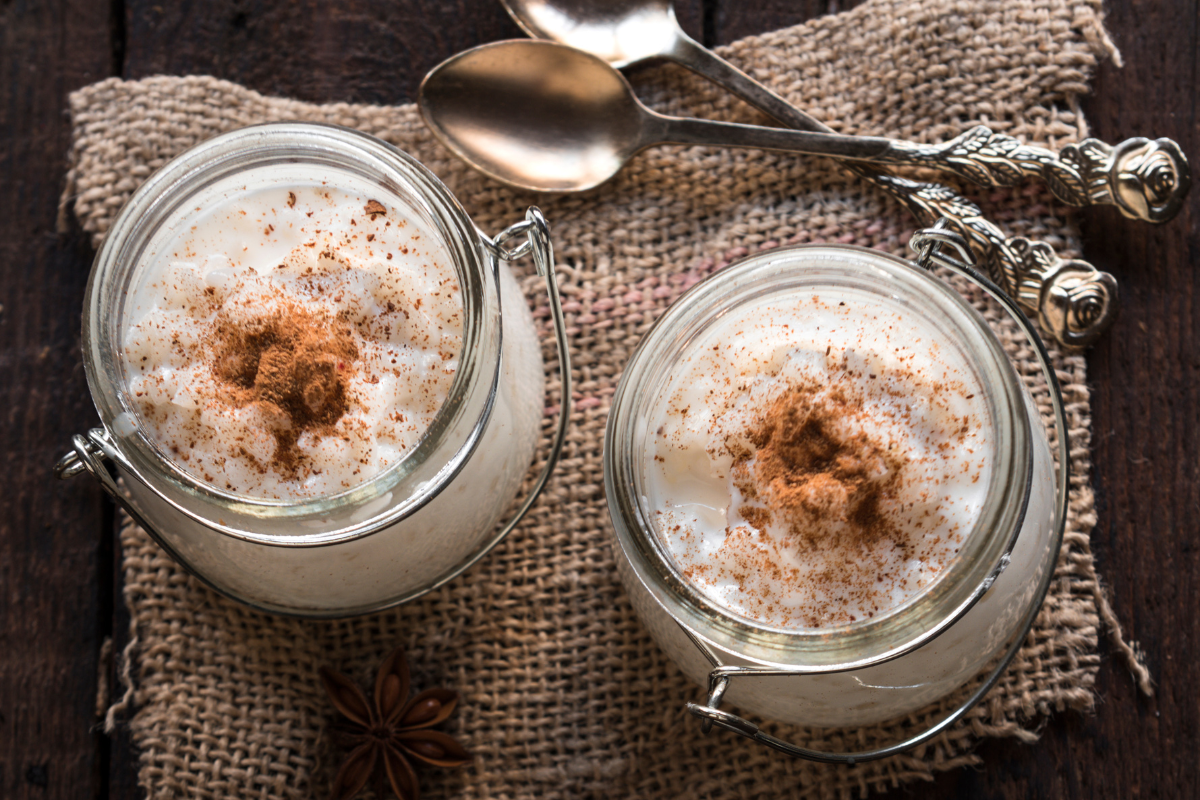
807	466
817	472
294	366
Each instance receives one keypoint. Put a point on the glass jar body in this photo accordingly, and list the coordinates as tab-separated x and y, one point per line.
864	672
396	534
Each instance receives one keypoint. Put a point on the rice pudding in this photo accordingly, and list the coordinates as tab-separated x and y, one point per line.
323	296
846	510
817	459
292	341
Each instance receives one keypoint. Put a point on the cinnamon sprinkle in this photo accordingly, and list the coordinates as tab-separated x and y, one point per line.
294	366
811	479
825	481
807	466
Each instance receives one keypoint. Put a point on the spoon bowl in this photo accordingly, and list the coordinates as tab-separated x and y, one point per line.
628	32
533	117
547	117
622	32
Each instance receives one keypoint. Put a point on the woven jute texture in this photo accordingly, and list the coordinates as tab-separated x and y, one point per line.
564	694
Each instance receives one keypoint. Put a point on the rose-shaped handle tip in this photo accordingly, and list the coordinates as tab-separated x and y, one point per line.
1149	179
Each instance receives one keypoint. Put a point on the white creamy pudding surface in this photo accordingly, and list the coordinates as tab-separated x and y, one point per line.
292	342
816	460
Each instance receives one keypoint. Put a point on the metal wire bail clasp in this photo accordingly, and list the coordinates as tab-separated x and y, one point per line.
537	242
89	454
930	243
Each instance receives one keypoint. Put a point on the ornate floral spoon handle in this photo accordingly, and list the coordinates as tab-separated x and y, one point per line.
1144	179
1073	301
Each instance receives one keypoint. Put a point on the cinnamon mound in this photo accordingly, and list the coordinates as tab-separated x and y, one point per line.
818	472
294	366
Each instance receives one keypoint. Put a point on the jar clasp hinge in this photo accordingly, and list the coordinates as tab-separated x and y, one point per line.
930	244
537	242
89	454
722	675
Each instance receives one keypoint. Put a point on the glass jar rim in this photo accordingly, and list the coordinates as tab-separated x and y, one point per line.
863	642
153	204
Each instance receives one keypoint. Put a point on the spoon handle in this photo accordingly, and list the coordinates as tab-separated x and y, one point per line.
699	59
1144	179
1074	301
710	133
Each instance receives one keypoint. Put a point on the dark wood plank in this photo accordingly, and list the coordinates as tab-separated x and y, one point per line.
695	19
55	592
122	756
356	51
1146	401
733	20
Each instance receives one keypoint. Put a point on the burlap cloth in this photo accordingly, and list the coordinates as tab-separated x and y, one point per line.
564	694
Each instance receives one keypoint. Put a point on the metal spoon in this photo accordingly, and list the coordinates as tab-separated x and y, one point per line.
1074	302
1145	179
542	116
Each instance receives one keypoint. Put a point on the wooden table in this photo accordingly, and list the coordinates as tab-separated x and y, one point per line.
59	581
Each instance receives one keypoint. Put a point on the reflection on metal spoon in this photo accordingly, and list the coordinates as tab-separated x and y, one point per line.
543	116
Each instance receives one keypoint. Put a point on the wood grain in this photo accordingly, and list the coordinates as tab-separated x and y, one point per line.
56	567
1145	378
358	51
55	591
733	20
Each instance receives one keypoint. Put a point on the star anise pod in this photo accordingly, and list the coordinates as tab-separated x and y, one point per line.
389	732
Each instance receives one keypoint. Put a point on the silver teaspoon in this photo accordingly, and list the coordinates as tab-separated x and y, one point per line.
1074	302
547	117
543	116
1144	179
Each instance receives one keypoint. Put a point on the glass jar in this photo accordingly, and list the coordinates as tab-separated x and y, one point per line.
392	537
902	659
